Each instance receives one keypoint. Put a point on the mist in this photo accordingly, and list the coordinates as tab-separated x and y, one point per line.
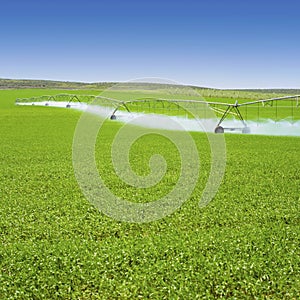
285	127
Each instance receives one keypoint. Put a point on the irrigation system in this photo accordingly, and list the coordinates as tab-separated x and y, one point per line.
171	106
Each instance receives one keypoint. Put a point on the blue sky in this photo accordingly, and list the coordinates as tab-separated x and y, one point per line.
222	44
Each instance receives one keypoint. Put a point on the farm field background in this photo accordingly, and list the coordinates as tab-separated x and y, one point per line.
55	244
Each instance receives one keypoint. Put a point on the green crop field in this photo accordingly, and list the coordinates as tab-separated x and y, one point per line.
56	245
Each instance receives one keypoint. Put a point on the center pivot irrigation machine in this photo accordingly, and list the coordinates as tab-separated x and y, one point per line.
274	108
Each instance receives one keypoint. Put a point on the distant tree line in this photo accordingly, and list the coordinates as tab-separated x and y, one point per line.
202	91
50	84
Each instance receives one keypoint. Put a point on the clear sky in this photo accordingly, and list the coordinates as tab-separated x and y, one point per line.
222	44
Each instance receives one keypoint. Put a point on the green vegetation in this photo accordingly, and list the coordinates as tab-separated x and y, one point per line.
56	245
203	91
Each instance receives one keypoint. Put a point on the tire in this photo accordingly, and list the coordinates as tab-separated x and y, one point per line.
246	130
219	129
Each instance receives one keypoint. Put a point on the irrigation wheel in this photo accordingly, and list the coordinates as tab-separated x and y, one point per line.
246	130
219	129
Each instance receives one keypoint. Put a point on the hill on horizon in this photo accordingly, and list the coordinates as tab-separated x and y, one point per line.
205	91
